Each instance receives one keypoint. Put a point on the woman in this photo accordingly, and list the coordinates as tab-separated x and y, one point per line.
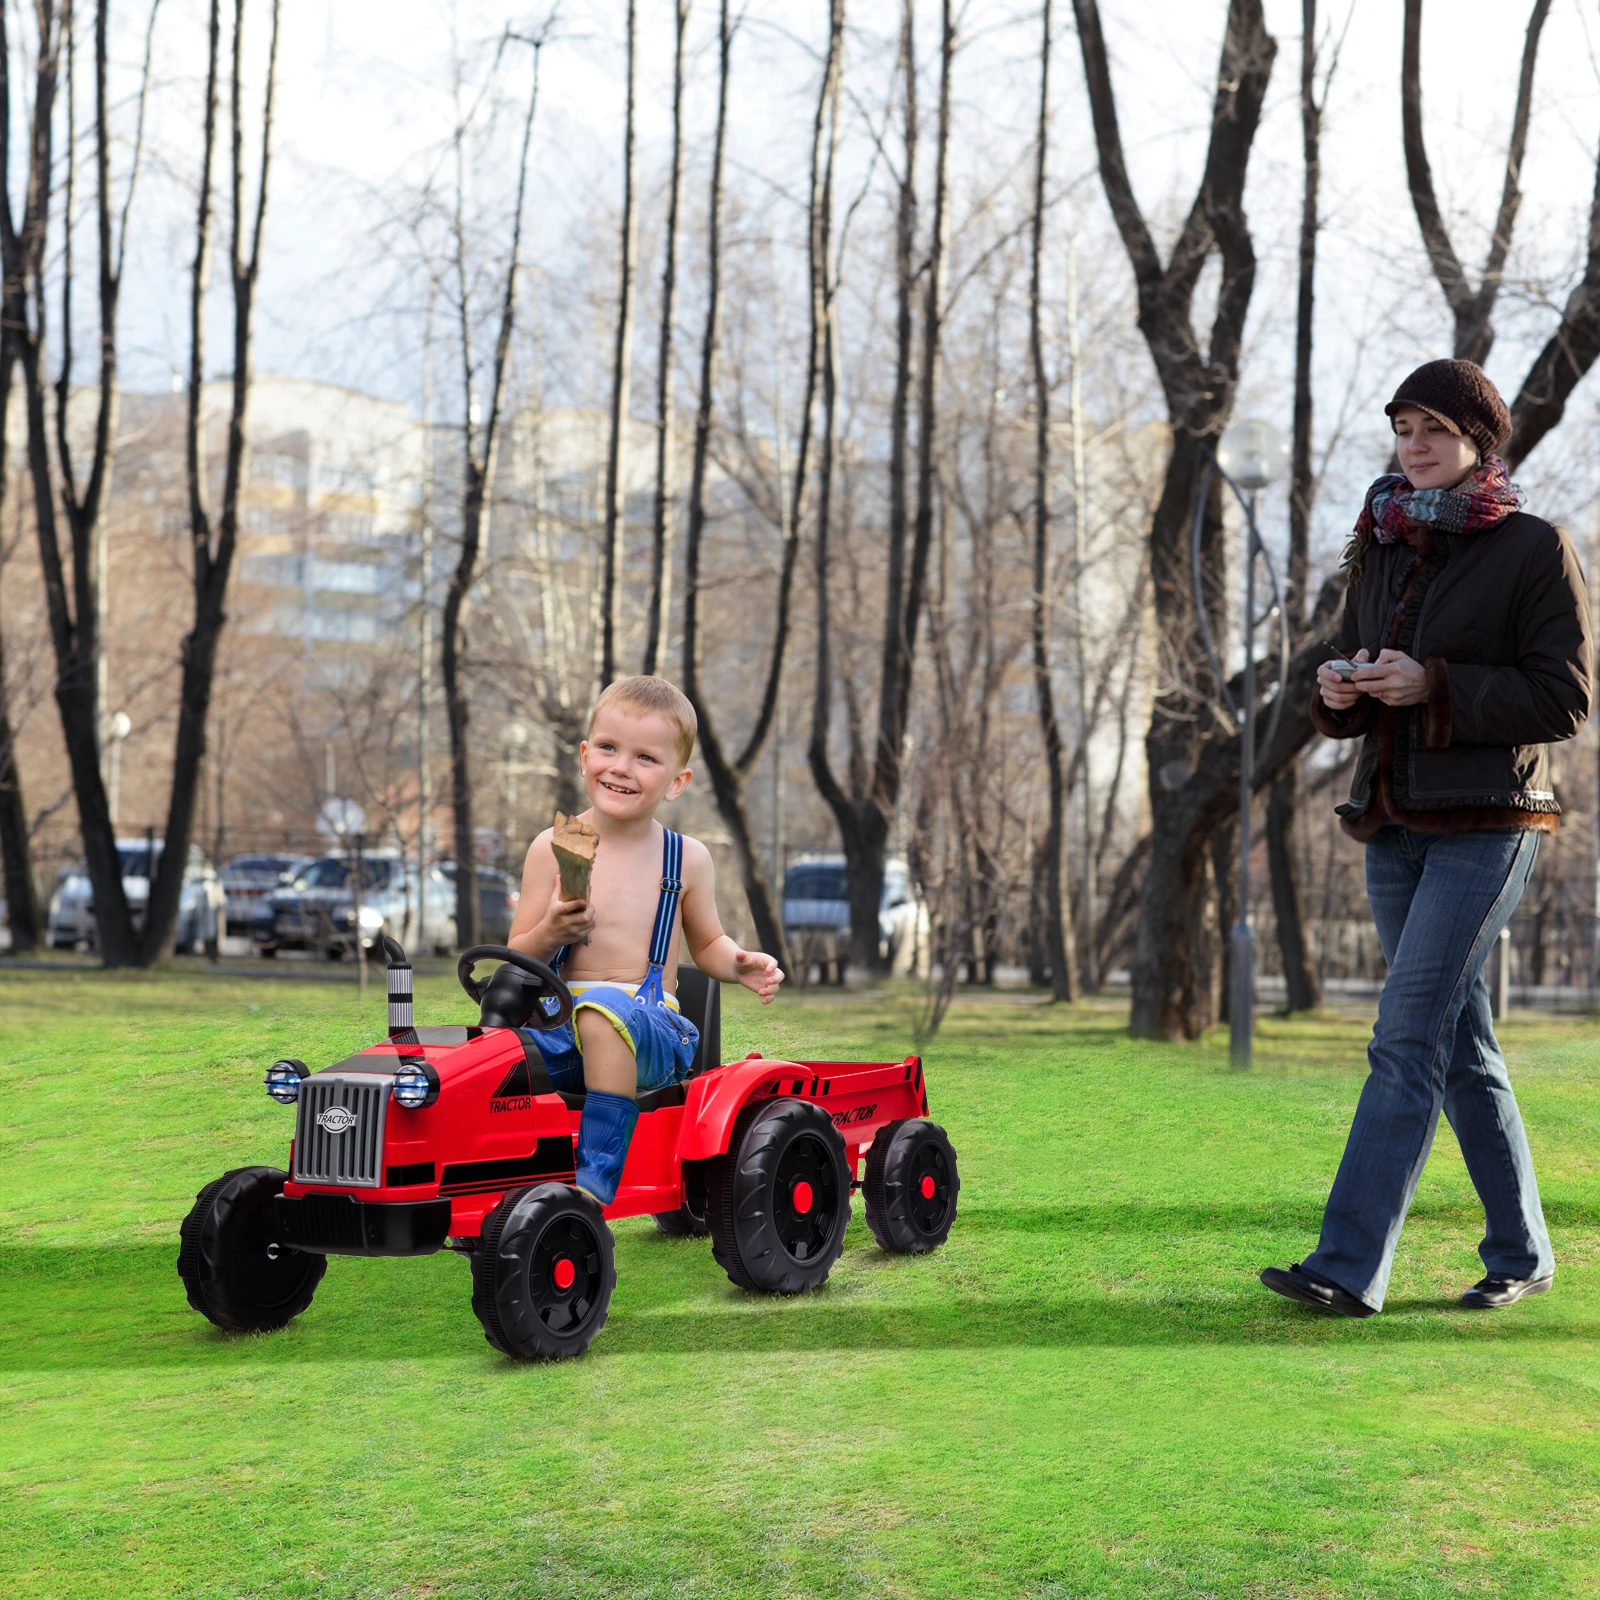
1468	624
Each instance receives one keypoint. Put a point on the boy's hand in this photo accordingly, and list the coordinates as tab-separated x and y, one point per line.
568	921
758	971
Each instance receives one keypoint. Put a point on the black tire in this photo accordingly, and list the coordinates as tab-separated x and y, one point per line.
779	1200
681	1224
911	1185
267	952
234	1269
532	1240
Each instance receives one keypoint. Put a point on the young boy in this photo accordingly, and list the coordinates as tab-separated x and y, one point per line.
618	950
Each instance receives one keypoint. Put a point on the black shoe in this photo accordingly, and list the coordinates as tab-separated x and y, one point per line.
1496	1290
1295	1285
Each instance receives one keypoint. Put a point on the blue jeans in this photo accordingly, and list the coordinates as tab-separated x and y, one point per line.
1439	901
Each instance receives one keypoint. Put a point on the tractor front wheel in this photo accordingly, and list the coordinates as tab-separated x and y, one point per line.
235	1269
911	1185
543	1273
779	1200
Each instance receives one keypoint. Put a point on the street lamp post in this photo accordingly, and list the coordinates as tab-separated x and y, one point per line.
1251	455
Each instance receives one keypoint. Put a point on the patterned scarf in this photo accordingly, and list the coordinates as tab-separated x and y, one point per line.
1392	506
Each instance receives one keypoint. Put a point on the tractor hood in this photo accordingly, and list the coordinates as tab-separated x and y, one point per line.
460	1053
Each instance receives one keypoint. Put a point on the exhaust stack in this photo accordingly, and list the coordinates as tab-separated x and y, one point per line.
402	1018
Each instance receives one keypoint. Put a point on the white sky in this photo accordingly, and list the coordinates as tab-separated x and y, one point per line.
365	103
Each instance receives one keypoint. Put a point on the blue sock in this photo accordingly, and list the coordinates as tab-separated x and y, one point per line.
603	1139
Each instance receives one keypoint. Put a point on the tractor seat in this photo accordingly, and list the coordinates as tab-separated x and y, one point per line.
700	1000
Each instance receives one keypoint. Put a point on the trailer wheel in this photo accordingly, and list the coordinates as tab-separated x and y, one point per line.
911	1185
543	1273
779	1200
235	1270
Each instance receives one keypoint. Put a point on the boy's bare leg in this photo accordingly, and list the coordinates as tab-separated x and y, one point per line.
608	1063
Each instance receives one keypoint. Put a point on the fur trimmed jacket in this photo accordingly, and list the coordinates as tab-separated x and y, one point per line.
1500	621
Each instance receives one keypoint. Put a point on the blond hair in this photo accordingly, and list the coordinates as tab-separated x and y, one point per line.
652	694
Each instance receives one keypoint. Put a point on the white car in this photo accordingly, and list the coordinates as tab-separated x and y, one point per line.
316	910
816	910
200	902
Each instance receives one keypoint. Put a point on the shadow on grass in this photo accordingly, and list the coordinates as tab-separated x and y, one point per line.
113	1309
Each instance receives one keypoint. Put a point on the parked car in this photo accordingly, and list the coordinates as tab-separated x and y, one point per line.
200	902
316	909
498	896
816	914
248	880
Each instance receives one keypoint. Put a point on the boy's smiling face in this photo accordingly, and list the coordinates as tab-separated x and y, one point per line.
630	763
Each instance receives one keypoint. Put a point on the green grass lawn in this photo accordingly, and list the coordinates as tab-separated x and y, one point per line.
1085	1393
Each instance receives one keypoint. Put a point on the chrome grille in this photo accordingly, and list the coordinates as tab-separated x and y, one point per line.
354	1157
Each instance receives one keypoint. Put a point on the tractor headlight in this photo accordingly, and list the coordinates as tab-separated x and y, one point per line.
416	1085
284	1078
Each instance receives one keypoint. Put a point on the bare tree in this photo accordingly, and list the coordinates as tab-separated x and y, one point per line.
1174	967
865	811
1301	989
66	488
655	645
213	540
480	437
1574	345
1471	308
727	776
1049	879
620	373
16	855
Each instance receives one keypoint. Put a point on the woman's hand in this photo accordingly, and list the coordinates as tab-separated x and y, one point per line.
759	972
1337	693
1395	679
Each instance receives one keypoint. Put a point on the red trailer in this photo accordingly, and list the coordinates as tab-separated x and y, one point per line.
454	1138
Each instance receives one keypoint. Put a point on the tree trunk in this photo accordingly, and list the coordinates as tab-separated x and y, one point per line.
1224	874
621	364
22	899
656	624
1063	968
1301	989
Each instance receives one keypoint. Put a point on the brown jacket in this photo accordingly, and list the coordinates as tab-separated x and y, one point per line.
1500	620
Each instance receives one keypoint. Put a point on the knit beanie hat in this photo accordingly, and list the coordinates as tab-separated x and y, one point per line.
1461	396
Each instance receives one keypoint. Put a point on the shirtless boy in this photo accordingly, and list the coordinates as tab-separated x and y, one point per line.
626	1034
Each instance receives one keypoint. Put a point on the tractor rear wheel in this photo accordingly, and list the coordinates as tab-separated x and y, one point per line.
543	1273
911	1185
236	1271
779	1200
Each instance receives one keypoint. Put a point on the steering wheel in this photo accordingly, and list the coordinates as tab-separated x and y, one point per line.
550	987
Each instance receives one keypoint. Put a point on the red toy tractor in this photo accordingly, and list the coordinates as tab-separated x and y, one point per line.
455	1138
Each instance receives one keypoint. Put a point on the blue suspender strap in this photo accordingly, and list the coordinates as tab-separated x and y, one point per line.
666	913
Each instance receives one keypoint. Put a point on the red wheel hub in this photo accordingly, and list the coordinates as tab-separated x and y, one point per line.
927	1186
801	1197
563	1272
